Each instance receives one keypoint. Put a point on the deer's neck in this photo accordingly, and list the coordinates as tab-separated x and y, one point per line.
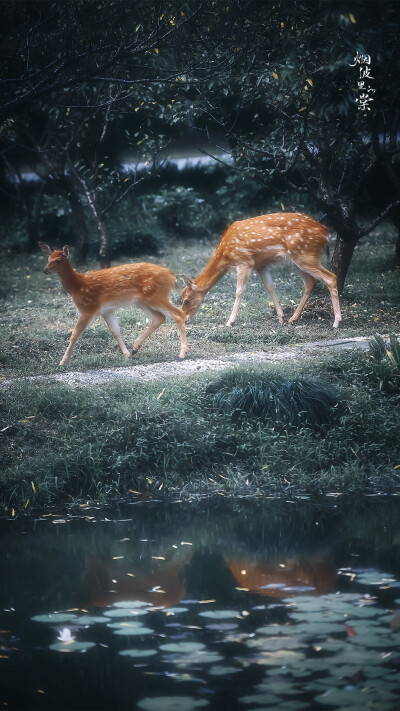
70	279
214	271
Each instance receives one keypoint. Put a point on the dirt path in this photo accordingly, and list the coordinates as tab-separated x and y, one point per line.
157	371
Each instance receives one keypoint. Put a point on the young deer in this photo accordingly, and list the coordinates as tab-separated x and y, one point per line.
255	244
145	286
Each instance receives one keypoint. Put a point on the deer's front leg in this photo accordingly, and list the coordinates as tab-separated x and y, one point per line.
243	273
82	323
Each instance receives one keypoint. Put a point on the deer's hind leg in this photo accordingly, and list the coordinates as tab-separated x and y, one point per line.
309	283
265	276
157	319
113	326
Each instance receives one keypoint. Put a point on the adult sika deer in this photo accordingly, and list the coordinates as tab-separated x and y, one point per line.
145	286
257	243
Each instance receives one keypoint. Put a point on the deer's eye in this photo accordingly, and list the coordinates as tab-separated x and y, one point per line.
186	301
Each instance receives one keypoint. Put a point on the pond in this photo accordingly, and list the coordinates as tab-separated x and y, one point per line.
245	605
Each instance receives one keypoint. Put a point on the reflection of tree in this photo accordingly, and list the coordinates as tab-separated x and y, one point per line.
159	583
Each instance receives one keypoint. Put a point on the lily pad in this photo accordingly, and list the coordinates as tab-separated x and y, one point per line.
375	577
343	697
175	610
132	624
171	703
219	614
55	617
261	700
320	628
275	629
135	653
223	671
183	647
126	612
132	604
91	620
280	657
202	657
71	646
133	631
222	626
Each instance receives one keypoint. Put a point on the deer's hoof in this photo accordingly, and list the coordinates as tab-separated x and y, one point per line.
134	351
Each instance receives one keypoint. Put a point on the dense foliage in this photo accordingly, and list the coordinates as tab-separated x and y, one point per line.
88	88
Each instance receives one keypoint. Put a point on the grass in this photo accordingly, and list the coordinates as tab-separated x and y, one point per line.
36	316
61	444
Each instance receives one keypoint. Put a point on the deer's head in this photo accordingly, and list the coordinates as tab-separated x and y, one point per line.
56	258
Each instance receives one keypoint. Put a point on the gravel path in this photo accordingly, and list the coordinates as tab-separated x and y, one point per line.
158	371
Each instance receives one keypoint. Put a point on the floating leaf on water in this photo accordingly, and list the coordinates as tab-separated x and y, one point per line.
219	614
202	657
280	657
91	620
223	671
375	577
343	697
319	628
262	700
182	647
132	604
138	652
171	703
131	624
275	629
71	646
125	612
175	610
55	617
134	631
270	644
222	626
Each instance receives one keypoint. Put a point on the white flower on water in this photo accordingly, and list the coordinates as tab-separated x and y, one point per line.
65	635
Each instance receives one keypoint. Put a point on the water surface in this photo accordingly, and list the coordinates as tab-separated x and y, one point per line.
249	605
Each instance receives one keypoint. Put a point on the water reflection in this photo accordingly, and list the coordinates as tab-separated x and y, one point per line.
160	583
249	605
290	577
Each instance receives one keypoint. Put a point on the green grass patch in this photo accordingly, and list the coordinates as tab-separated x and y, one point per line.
61	443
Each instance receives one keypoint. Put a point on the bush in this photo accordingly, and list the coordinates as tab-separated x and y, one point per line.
385	363
289	403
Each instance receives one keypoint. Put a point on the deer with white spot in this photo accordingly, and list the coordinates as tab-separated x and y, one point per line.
143	285
255	244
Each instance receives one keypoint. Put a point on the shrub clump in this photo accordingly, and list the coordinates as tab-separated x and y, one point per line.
384	363
289	403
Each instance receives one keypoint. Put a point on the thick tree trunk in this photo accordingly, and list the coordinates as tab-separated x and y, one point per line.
80	226
104	251
32	216
341	259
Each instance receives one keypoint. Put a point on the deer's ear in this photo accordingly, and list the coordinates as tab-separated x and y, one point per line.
45	249
65	251
189	282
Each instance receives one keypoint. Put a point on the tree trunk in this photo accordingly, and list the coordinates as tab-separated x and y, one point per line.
104	251
33	217
80	226
398	251
341	259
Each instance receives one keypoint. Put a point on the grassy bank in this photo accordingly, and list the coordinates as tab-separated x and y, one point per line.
191	436
36	316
